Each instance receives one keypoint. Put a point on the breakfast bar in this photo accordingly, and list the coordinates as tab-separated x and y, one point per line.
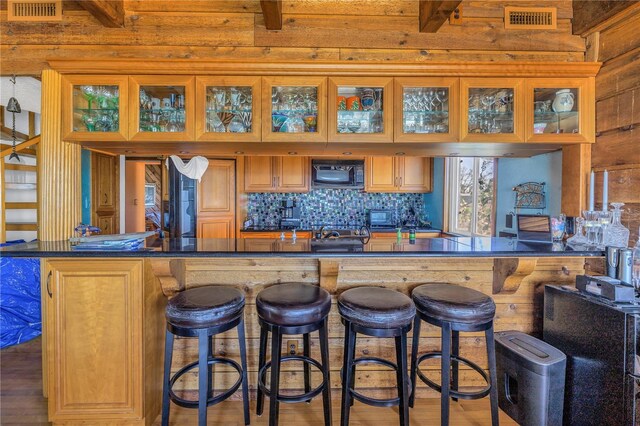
101	304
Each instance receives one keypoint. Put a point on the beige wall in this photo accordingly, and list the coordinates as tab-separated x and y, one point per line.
134	196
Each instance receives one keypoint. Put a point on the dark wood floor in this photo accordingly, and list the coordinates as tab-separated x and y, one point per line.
21	403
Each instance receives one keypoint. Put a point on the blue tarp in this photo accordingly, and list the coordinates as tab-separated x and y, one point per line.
20	313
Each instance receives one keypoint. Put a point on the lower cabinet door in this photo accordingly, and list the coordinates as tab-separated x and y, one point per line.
94	340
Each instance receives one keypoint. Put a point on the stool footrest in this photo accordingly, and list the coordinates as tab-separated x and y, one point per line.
376	402
307	396
210	401
455	393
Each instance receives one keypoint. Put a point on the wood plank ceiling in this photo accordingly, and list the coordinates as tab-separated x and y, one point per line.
335	30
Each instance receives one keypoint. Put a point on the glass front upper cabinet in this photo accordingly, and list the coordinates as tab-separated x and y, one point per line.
426	109
294	109
492	110
228	109
360	109
558	112
161	108
95	108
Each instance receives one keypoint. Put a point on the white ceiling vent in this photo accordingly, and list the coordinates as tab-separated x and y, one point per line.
530	18
34	10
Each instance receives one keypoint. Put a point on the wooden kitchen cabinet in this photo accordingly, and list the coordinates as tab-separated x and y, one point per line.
360	109
216	201
276	174
95	108
398	174
493	110
103	365
228	109
161	108
105	188
560	110
275	235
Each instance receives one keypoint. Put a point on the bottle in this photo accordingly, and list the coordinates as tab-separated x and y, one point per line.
616	234
399	234
636	263
412	236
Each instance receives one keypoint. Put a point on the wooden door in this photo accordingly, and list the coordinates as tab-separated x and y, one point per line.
94	340
259	174
292	174
414	174
381	174
105	199
216	200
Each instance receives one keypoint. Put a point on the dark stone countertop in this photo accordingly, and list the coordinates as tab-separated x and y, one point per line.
302	247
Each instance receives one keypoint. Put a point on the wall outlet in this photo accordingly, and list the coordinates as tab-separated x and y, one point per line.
292	347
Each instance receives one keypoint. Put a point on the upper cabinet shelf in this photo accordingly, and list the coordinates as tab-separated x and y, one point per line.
162	108
317	109
95	108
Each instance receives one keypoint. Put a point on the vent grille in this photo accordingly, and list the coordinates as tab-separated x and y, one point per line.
530	18
34	10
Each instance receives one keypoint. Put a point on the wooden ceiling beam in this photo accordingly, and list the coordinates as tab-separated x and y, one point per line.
434	13
272	11
588	14
110	13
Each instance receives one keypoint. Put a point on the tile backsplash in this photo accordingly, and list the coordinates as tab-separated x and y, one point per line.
334	207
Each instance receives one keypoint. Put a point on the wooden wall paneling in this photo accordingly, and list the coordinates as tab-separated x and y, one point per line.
340	7
439	55
616	148
208	6
619	74
58	168
590	14
401	33
620	38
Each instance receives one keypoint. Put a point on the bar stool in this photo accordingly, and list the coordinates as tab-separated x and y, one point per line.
376	312
204	312
293	308
454	309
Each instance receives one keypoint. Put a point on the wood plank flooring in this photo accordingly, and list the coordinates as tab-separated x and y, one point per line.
22	403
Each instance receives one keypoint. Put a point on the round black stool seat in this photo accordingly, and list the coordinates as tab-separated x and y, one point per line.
204	307
293	304
447	302
376	307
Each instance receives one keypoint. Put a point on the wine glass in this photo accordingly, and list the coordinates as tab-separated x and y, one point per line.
578	237
442	96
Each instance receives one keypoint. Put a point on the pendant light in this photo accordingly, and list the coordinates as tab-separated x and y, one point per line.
13	106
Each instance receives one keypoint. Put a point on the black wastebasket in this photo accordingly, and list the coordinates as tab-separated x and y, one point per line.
531	375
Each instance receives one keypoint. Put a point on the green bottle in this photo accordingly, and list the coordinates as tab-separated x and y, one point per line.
399	234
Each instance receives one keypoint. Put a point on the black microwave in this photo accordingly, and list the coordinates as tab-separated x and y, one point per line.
345	174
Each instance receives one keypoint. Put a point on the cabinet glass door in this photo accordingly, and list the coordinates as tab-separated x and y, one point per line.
426	109
162	108
556	111
491	110
296	109
94	108
228	108
360	109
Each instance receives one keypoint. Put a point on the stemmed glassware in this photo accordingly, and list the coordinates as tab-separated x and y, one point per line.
578	238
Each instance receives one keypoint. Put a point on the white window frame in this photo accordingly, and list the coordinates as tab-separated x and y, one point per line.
452	182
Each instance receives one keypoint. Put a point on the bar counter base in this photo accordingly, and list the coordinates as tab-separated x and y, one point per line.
104	322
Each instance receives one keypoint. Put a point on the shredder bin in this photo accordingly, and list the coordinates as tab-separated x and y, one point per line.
531	377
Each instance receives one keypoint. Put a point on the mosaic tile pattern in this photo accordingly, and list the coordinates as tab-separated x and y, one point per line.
333	207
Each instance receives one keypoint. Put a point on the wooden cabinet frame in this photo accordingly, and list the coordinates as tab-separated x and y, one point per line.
278	171
386	83
398	173
585	105
517	84
161	80
201	107
452	83
94	80
267	85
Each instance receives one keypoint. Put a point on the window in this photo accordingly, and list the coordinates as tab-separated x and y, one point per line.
471	196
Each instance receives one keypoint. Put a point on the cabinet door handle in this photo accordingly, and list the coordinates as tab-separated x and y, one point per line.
106	198
395	182
400	180
49	288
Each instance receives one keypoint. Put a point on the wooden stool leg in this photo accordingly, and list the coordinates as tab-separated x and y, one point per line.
346	373
445	369
274	404
455	350
324	355
307	368
203	353
414	359
243	361
491	355
168	355
403	378
262	359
